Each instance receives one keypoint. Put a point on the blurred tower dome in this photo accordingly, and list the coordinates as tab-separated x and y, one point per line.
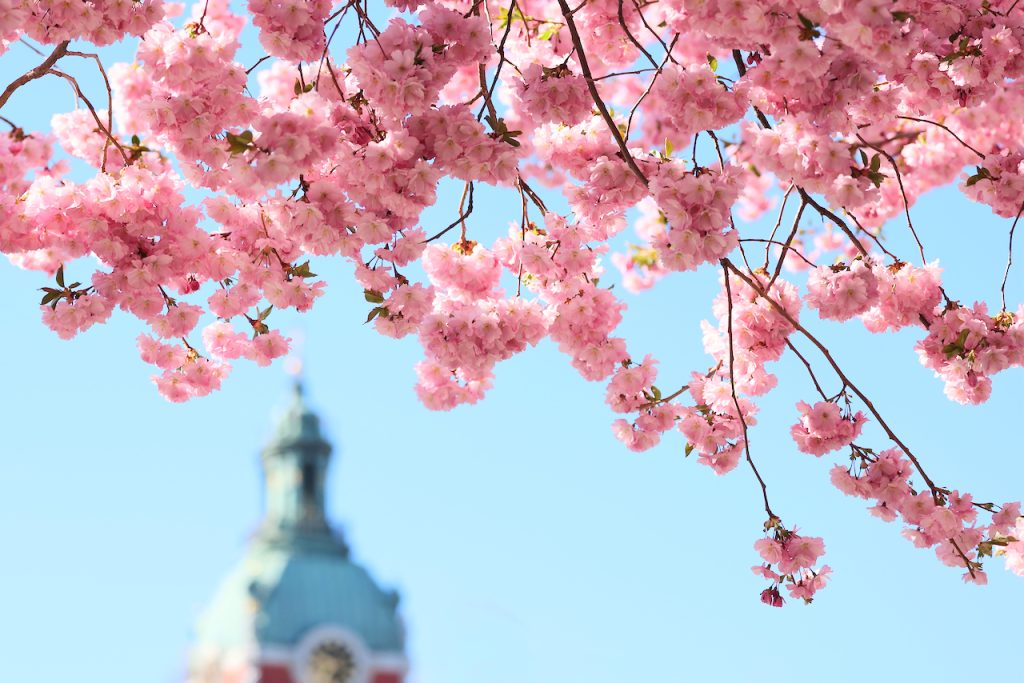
296	609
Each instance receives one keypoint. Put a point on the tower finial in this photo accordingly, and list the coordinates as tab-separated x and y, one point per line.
293	366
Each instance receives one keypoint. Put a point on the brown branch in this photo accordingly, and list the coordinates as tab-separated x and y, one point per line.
35	73
632	38
585	66
835	366
488	93
872	235
741	68
462	216
834	218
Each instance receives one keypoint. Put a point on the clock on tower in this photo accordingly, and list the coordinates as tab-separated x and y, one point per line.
296	608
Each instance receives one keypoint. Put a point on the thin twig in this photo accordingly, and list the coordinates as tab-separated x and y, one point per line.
807	365
735	399
787	243
778	223
945	128
92	110
462	216
903	192
792	250
1009	257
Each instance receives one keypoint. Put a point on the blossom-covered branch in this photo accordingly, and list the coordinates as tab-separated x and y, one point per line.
688	119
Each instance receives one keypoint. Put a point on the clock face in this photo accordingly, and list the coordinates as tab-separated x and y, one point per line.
331	662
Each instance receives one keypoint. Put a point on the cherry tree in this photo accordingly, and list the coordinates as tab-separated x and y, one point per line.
214	183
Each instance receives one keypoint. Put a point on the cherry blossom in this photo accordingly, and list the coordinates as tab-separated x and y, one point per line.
660	137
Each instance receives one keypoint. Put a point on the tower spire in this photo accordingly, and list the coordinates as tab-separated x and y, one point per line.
295	464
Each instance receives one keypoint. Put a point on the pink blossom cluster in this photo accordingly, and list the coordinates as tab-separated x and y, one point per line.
1014	550
842	291
291	29
185	93
553	95
459	146
100	22
185	374
823	427
998	182
944	520
712	426
759	330
631	389
471	327
607	186
793	557
800	153
966	345
907	295
21	153
696	209
689	99
403	69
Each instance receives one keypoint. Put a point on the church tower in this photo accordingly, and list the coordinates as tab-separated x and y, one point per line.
296	609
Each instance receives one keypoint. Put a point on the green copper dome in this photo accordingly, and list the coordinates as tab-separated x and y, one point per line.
296	574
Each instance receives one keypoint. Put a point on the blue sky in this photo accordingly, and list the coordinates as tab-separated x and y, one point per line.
527	544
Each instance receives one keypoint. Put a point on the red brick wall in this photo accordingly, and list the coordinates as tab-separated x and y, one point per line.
275	673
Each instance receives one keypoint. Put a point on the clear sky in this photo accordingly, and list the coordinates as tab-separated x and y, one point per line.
528	545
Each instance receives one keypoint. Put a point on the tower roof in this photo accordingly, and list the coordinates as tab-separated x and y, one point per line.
296	574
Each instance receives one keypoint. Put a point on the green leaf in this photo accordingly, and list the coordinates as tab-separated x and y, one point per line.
373	297
239	143
136	141
902	16
50	297
302	270
549	33
374	312
981	174
60	275
876	163
689	449
876	178
713	62
668	147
